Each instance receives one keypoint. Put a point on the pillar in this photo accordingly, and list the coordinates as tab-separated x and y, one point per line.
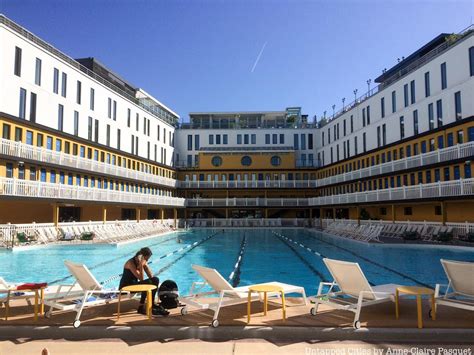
175	215
104	214
138	214
394	215
55	215
358	215
162	214
226	213
443	212
334	213
266	212
321	218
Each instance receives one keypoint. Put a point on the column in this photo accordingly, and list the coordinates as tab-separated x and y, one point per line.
394	215
138	214
104	214
266	212
334	213
175	215
444	212
226	213
162	214
55	215
358	215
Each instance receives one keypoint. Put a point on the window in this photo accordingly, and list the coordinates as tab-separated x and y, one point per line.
405	94
470	134
363	117
415	122
379	138
239	139
364	142
355	146
428	176
423	147
60	117
439	112
32	107
457	105
440	142
218	139
246	160
22	110
456	171
275	160
9	172
89	129
427	84
78	92
352	123
32	173
447	175
303	139
310	140
384	134
382	107
55	81
412	92
368	119
114	115
64	85
430	116
460	136
274	138
471	61
216	161
196	142
59	145
211	139
432	144
402	127
436	175
295	141
267	139
407	211
246	139
225	139
394	101
107	139
6	131
450	139
444	80
467	171
38	72
190	142
415	149
52	176
76	123
96	131
17	70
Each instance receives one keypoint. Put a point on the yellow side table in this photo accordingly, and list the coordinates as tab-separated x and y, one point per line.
265	289
39	295
139	288
418	292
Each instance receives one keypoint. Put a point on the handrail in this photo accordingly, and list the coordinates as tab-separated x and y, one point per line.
162	113
26	151
38	189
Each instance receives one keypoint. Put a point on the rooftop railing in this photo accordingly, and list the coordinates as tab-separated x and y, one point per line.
59	192
30	152
160	113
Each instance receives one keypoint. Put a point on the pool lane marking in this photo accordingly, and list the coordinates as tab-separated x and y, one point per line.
186	250
375	263
287	242
234	276
109	261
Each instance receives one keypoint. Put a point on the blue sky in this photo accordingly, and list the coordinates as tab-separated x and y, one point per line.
198	55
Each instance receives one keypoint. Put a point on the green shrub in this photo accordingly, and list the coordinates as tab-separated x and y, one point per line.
470	237
445	237
410	236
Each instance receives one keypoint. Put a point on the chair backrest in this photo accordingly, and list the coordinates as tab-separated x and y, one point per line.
460	275
213	278
83	276
3	284
349	277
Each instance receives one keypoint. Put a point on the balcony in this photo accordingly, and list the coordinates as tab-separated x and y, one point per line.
40	190
248	184
247	202
30	152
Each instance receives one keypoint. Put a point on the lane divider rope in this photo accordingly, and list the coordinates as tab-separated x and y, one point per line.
234	276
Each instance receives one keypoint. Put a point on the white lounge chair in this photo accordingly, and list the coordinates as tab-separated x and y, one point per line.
228	295
460	275
92	293
354	292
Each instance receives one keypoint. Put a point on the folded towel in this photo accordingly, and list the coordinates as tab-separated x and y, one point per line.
31	286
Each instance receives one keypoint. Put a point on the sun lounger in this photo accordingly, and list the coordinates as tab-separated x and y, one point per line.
228	295
354	292
92	293
459	292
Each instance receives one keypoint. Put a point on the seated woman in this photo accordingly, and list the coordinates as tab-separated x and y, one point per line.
133	274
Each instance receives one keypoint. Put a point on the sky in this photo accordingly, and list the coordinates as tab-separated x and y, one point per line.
265	55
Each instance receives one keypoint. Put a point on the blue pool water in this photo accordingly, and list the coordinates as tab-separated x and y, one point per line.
267	257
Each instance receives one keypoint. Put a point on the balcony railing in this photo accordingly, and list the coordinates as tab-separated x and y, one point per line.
247	184
30	152
37	189
247	202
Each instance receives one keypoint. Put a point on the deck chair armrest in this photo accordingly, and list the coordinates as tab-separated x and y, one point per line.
322	284
195	295
438	290
194	287
376	293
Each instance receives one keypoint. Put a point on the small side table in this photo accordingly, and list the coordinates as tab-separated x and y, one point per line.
39	296
139	288
418	292
265	288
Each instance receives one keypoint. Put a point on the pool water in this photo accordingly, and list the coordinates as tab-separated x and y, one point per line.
266	257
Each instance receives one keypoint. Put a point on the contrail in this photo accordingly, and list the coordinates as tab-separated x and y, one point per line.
258	57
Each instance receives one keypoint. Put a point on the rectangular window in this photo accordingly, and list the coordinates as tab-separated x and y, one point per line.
467	171
22	109
471	61
29	137
133	145
456	171
211	139
364	142
450	139
439	112
440	142
38	72
9	170
21	172
92	99
197	144
444	78
96	131
303	141
415	122
89	129
239	139
427	84
431	116
129	117
368	115
59	145
432	144
32	173
78	92
6	131
190	142
394	101
310	140
355	146
423	146
246	139
55	81
382	107
32	107
412	92
218	139
363	117
60	117
39	140
107	139
379	137
460	136
428	176
64	85
274	138
405	94
253	138
447	175
17	70
114	115
119	138
384	134
267	139
296	141
402	127
457	105
76	123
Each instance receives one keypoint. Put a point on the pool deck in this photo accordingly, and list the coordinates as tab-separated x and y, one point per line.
301	333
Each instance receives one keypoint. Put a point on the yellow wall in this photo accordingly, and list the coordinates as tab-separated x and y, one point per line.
260	160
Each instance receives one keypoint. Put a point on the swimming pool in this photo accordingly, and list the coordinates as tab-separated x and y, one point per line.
288	256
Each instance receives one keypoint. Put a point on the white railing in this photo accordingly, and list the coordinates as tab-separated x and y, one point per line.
248	202
247	222
459	151
453	188
30	152
37	189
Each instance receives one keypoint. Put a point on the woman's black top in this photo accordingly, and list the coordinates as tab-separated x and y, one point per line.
128	278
